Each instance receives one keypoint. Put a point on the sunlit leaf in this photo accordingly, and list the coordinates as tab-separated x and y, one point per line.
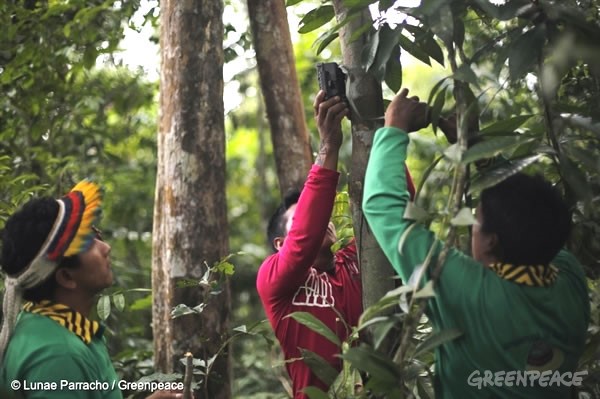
119	302
426	292
414	212
453	153
500	172
369	51
506	11
316	18
436	340
507	125
413	50
103	307
464	217
426	42
494	146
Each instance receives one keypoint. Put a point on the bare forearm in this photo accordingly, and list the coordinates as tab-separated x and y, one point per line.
327	156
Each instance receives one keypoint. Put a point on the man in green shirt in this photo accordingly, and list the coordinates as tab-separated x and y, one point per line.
520	301
56	263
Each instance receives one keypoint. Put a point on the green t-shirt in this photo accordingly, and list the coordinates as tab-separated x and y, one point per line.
49	361
503	323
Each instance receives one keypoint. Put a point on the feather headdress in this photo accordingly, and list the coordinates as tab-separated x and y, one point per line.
72	233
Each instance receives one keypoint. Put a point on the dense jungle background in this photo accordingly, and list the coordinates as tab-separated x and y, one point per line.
73	105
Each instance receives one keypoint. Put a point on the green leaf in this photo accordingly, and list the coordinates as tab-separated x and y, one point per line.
414	212
119	301
316	18
453	153
103	307
388	41
498	173
316	325
436	340
315	393
413	50
425	40
436	109
319	366
576	179
525	52
292	2
426	292
506	125
358	33
393	71
464	73
142	303
492	147
434	90
503	12
226	268
369	51
389	300
367	359
182	310
586	156
324	40
327	37
357	3
464	217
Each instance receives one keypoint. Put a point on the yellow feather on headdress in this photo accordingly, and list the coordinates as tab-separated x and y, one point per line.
92	199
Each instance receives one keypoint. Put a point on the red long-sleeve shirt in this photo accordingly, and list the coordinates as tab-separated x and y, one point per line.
287	283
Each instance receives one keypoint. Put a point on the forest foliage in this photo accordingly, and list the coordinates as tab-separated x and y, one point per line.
528	70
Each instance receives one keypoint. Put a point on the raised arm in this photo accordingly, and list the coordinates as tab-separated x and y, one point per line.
288	268
386	192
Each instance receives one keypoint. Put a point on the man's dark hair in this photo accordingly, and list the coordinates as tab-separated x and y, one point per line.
277	222
530	218
23	236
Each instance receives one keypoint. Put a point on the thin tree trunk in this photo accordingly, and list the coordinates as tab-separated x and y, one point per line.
190	215
279	84
365	93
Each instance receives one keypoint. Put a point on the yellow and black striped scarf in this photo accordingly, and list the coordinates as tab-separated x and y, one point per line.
66	317
532	276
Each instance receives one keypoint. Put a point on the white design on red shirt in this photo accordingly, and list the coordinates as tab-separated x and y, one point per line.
316	291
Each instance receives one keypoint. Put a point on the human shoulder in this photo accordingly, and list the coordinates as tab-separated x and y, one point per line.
41	330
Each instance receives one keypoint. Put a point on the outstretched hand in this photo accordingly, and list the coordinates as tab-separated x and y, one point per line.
328	115
407	113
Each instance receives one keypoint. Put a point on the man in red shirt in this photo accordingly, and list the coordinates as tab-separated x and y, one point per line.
303	274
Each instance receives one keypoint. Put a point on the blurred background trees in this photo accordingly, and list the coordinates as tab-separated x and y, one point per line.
70	108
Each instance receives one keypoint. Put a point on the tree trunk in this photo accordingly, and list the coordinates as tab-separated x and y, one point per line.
190	215
365	93
280	88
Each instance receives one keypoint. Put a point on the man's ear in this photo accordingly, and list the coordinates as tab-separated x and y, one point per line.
64	278
492	246
278	243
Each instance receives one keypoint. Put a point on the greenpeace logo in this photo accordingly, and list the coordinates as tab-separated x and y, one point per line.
529	378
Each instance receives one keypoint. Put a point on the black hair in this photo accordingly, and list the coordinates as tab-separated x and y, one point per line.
529	217
277	222
23	236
